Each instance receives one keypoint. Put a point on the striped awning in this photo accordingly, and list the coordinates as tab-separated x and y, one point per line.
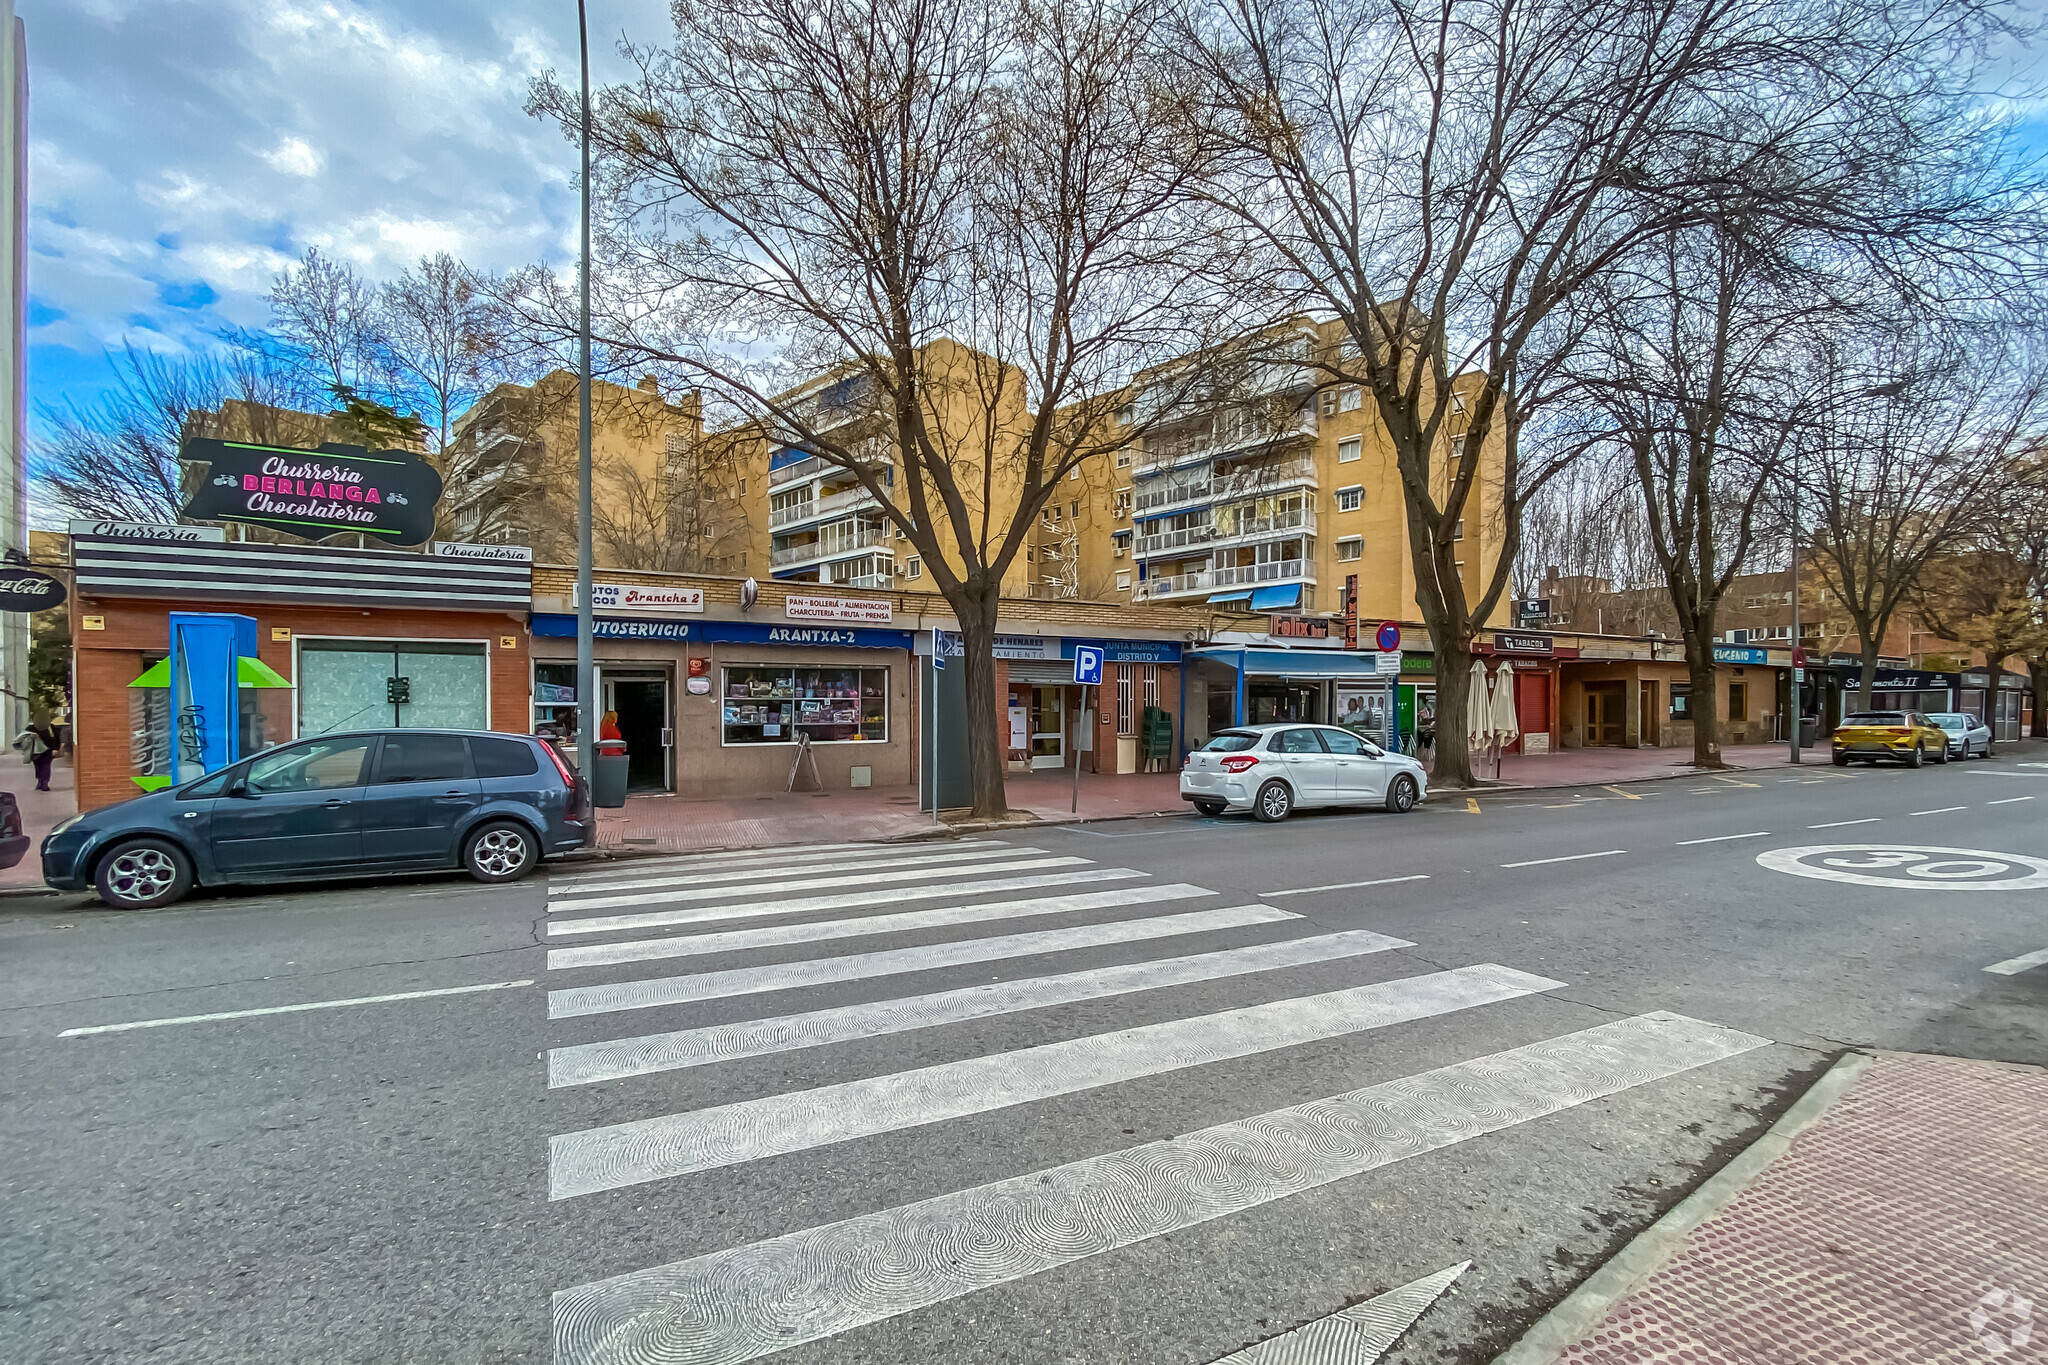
314	574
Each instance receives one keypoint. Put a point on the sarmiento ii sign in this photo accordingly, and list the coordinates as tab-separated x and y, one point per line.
389	496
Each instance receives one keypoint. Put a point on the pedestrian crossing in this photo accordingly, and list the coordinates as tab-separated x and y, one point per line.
870	922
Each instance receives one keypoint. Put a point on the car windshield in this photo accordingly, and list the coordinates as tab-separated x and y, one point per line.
1947	722
1230	742
1875	718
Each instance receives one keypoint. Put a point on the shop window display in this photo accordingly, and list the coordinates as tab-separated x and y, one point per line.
772	705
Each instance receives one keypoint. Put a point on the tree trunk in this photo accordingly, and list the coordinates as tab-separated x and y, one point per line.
2037	669
976	608
1867	698
1706	716
1454	700
1994	669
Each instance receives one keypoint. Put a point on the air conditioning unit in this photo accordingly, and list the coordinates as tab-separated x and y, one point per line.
1738	637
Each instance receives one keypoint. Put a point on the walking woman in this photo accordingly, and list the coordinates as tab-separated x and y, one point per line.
38	744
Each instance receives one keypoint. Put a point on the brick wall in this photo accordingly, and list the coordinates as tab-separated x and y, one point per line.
107	660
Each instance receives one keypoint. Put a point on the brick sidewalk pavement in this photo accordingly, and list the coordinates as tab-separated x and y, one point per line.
40	812
1897	1214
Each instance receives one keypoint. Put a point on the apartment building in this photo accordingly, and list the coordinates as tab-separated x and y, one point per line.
1268	496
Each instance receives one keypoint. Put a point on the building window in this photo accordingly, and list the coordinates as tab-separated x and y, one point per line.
771	704
1350	400
1075	472
1349	449
1681	701
354	683
1123	582
1151	676
1123	503
1351	499
1457	401
915	569
1125	728
1350	548
1458	531
1457	447
1123	458
1738	701
1074	508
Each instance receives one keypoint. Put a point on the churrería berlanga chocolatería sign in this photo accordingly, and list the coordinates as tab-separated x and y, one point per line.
388	495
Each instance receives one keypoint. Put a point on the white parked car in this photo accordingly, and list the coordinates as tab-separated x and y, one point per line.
1966	734
1272	769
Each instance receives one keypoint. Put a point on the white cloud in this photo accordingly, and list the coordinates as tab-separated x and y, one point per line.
295	156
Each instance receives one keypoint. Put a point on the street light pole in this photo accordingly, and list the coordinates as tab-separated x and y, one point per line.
1792	686
586	648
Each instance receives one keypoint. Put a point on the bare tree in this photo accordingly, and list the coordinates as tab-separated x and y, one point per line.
434	327
912	235
1905	461
1445	176
326	324
117	458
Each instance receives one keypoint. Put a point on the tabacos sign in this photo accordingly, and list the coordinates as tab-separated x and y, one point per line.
389	496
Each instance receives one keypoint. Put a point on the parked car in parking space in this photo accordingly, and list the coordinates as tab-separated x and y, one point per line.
366	803
1966	734
1272	770
14	840
1908	736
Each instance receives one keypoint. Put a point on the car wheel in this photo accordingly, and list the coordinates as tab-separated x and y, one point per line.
1211	807
1274	802
1944	755
142	874
1401	794
1916	758
500	851
1841	760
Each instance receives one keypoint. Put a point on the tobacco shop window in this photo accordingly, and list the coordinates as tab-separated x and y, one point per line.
772	704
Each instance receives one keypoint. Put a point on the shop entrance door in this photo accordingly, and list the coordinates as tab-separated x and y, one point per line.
641	698
1606	704
1048	727
1653	731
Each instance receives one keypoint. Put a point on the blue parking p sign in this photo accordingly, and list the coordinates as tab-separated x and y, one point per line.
1088	665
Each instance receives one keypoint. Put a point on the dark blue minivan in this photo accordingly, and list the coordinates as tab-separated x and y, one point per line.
365	803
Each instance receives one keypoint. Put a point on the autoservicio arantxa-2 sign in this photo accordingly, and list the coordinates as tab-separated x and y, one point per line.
389	496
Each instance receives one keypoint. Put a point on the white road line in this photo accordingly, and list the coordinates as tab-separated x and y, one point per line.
291	1009
609	1158
897	856
811	883
1994	772
621	1057
1567	858
1347	886
1724	838
1358	1335
2013	966
1938	810
844	900
819	931
627	867
2008	800
1837	824
751	1301
782	976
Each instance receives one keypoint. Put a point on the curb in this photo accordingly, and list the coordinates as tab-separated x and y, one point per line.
1648	1252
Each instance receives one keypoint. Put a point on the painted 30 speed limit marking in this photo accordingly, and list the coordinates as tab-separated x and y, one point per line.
1911	867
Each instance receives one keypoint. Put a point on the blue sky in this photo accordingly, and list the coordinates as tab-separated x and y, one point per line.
182	151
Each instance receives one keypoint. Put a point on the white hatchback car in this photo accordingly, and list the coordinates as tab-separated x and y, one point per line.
1272	769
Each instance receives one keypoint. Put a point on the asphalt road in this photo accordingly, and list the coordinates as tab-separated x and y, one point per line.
1538	1022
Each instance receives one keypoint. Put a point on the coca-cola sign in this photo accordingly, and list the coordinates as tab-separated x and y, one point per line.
27	590
389	496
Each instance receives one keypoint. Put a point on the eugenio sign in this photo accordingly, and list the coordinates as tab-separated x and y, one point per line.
388	495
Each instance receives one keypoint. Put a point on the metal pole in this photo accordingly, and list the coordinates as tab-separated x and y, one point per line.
586	629
1792	686
1074	806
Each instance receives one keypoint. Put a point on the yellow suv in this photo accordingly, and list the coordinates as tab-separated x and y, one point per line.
1905	735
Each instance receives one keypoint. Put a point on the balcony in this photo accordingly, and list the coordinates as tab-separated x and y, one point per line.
815	509
1246	482
807	468
1278	571
1173	585
1226	531
1163	453
1163	541
826	547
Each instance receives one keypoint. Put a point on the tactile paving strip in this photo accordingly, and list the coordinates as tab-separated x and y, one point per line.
1908	1224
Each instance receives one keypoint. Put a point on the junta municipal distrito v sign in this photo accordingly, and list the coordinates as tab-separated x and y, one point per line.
388	495
27	590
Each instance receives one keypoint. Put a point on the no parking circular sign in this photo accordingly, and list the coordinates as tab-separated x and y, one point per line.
1388	637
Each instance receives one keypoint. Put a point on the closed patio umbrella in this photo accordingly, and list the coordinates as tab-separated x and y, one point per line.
1503	724
1478	715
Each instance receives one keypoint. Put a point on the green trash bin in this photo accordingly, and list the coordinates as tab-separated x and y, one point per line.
608	784
1155	737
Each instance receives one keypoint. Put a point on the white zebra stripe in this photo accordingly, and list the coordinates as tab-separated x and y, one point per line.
752	1301
621	1154
571	898
1358	1335
867	926
632	866
648	992
617	1058
844	900
812	883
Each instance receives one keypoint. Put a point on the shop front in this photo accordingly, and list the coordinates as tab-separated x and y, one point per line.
710	707
1537	683
1999	706
1356	689
1130	721
191	655
1648	702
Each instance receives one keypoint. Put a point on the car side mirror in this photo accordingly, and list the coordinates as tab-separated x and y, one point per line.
238	787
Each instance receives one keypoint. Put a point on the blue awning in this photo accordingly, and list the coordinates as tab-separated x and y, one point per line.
1277	598
1242	595
1306	664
